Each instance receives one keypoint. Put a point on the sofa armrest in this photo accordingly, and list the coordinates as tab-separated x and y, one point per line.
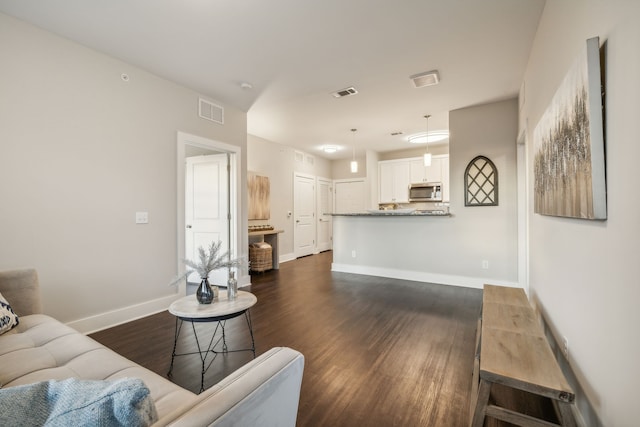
264	392
22	289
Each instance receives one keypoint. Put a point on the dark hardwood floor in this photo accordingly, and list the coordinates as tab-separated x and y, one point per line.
378	352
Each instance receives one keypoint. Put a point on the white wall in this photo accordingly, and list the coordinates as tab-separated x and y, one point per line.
486	232
584	274
341	169
372	178
442	249
277	161
80	152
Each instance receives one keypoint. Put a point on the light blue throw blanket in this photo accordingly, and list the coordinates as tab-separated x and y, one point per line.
73	402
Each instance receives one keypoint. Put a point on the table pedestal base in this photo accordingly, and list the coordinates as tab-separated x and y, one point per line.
213	343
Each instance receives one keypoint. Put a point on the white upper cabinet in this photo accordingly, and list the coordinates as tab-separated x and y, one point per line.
422	173
393	181
395	176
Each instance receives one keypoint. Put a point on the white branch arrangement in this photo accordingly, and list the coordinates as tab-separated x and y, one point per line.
209	261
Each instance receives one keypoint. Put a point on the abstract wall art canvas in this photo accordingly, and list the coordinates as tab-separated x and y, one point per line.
259	191
569	162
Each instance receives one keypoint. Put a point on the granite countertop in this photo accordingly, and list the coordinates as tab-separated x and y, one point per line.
396	212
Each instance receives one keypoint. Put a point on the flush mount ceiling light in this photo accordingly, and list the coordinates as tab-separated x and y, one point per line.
435	136
329	149
428	78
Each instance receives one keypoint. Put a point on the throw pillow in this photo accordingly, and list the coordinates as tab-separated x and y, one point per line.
8	319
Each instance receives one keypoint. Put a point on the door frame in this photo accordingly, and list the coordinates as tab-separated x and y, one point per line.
235	154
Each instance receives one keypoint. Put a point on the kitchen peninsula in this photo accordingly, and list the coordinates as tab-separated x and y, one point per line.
424	246
397	212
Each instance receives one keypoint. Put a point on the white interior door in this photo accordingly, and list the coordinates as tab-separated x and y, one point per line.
350	196
206	209
304	230
325	206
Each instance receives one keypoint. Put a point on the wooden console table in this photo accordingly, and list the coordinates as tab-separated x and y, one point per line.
514	352
270	237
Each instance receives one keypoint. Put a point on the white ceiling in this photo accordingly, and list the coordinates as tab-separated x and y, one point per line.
296	52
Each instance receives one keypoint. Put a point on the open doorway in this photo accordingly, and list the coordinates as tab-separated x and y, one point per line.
207	205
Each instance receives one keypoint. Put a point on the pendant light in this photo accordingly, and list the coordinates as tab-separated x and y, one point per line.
427	155
354	163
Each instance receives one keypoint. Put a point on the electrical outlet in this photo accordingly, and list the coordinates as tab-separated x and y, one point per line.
142	217
353	253
565	347
485	264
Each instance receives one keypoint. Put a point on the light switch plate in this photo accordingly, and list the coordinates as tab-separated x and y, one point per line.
142	217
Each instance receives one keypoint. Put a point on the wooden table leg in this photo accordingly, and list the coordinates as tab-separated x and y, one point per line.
481	403
565	414
474	387
476	372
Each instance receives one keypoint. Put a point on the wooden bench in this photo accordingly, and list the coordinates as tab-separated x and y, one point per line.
513	353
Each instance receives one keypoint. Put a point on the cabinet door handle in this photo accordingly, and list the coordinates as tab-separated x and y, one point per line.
188	225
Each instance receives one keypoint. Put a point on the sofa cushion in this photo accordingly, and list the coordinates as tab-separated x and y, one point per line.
43	349
8	319
22	289
73	402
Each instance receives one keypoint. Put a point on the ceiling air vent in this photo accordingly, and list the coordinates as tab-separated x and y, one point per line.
210	111
344	92
428	78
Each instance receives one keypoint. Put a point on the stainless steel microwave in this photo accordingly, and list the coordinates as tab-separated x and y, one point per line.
425	192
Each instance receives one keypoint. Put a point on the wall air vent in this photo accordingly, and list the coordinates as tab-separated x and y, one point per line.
209	111
344	92
428	78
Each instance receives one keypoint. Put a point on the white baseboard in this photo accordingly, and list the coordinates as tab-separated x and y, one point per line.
116	317
287	257
112	318
421	276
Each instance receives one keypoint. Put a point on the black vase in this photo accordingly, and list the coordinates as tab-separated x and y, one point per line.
204	294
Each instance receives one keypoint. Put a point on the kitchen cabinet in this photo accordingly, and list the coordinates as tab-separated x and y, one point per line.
394	177
437	172
422	173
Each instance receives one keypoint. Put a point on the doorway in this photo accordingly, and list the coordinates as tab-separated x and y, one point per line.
206	208
324	204
350	196
304	206
209	170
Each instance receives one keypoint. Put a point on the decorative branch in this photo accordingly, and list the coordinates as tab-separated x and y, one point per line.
209	260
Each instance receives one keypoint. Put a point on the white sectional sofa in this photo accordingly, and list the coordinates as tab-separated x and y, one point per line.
264	392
